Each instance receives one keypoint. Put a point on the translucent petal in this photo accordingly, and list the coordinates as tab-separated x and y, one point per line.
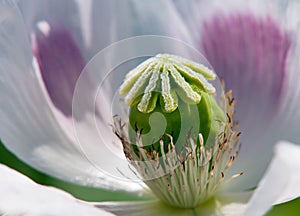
31	127
249	47
21	196
190	13
289	115
280	182
61	62
70	14
116	20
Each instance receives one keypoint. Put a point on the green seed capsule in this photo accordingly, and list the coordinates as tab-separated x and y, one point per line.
178	140
170	97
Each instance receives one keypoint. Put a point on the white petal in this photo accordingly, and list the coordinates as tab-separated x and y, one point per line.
256	71
71	15
229	205
290	113
30	126
21	196
85	8
190	13
116	20
281	181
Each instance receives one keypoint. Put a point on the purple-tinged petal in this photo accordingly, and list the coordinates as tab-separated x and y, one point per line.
289	116
60	62
65	13
250	53
31	127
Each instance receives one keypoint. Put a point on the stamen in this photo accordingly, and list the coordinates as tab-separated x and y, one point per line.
188	178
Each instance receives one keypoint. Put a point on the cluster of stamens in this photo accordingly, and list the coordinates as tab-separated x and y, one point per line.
190	177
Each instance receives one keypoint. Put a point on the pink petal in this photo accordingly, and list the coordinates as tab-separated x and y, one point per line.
250	53
61	63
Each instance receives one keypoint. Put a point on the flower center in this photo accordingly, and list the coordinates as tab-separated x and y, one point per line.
182	170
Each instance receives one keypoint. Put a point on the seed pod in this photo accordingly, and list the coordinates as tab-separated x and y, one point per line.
170	95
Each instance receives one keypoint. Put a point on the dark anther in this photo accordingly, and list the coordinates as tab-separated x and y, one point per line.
228	116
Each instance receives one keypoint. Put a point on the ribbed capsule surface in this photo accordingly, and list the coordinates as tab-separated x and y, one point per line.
168	77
